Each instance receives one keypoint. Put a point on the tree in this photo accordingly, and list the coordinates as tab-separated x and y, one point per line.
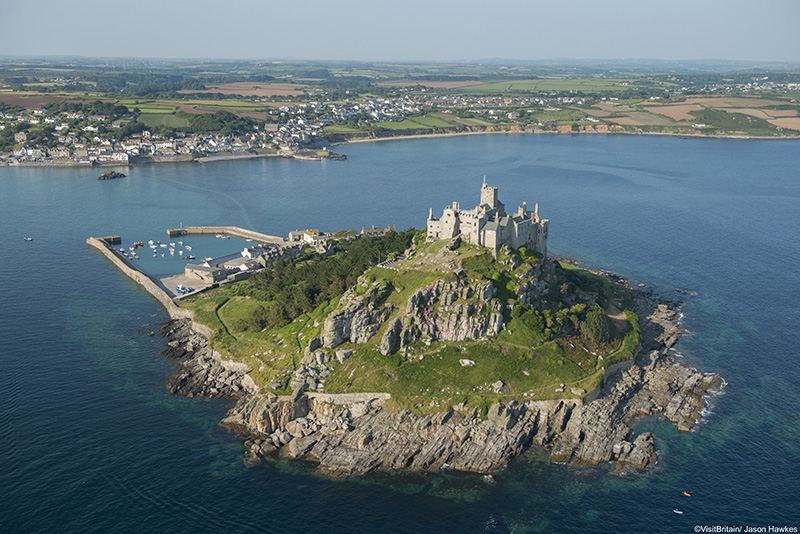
596	326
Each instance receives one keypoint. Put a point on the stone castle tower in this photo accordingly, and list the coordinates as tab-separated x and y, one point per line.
488	224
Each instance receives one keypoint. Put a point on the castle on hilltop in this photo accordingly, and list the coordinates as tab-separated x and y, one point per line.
488	224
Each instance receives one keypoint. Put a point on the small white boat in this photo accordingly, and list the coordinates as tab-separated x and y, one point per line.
172	244
150	242
180	252
163	245
188	247
679	512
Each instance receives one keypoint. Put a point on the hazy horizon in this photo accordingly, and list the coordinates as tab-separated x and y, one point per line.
416	31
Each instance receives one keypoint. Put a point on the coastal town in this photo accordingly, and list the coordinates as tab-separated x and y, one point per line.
87	133
77	135
90	140
77	138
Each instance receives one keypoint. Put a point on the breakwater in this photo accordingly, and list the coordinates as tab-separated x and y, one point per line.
227	230
152	285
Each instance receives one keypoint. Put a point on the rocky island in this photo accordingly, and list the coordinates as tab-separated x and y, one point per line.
463	349
110	175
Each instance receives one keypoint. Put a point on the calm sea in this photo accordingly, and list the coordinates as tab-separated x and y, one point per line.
90	440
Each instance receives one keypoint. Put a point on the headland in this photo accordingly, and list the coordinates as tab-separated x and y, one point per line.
446	354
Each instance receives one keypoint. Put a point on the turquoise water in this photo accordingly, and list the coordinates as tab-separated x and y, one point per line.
90	441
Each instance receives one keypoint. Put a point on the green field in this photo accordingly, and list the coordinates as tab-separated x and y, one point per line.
720	120
559	85
340	128
418	123
162	120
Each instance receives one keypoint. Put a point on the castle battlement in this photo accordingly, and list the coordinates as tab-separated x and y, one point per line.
488	225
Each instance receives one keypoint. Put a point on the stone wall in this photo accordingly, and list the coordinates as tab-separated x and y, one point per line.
150	284
232	230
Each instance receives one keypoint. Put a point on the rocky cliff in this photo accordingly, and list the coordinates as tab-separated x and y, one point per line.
201	370
355	433
455	311
353	438
359	316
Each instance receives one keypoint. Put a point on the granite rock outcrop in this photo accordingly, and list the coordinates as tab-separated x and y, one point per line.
355	433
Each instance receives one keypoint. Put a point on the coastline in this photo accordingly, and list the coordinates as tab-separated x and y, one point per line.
551	132
352	434
367	139
306	154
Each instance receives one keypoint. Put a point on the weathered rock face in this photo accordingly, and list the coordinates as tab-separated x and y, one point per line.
265	414
537	282
353	433
599	431
454	311
349	438
667	319
361	437
358	318
201	371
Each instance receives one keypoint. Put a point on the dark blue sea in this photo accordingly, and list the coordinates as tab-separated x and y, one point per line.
90	440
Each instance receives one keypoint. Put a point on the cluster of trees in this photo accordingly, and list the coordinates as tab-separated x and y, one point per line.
7	137
291	288
107	109
223	122
591	322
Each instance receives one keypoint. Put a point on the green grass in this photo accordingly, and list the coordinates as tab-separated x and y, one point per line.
629	343
152	108
419	123
433	377
722	121
340	128
608	292
162	120
425	377
405	282
223	104
583	85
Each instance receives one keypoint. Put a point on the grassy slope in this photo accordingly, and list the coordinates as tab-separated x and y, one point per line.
430	376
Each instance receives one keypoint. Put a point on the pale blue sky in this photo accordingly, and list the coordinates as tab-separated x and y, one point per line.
429	30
